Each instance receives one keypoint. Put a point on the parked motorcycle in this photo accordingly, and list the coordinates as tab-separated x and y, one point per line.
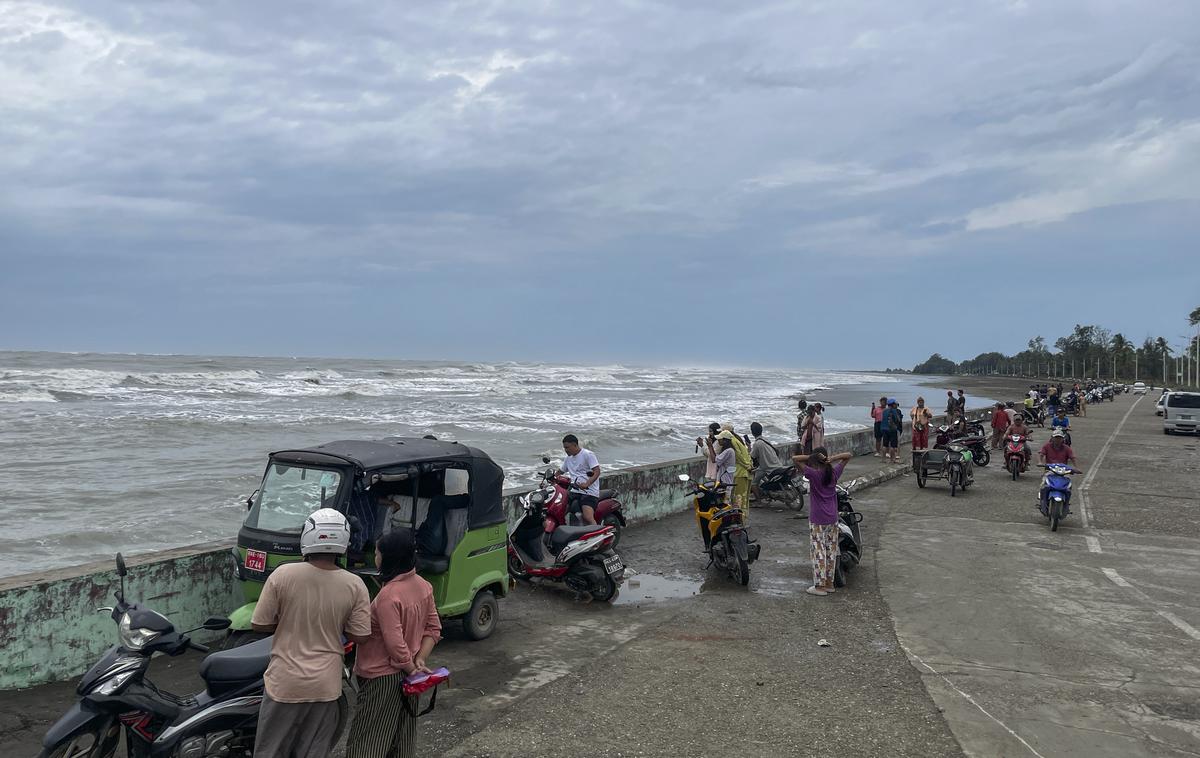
948	460
557	488
1056	485
1035	415
1016	458
976	443
723	529
580	558
784	485
849	540
115	696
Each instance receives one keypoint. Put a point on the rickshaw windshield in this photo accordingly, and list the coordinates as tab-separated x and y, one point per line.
289	494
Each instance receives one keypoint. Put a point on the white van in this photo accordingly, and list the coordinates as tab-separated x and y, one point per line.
1139	388
1182	412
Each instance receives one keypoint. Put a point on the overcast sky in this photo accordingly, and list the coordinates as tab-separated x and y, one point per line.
824	184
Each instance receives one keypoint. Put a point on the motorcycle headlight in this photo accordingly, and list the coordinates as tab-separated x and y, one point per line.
134	638
537	498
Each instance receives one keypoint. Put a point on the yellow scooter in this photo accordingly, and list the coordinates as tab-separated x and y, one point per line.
723	529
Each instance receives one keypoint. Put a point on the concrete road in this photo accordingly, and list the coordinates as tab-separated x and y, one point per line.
969	627
1082	642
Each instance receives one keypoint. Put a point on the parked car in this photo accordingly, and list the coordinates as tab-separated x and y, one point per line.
1182	412
1139	388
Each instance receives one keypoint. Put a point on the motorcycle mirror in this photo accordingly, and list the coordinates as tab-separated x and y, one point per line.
121	570
684	478
545	459
216	623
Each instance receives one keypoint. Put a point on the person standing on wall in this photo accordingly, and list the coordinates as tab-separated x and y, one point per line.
583	469
877	418
961	402
404	629
893	423
308	605
921	418
765	459
822	475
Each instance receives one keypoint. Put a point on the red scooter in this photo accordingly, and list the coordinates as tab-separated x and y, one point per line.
1016	456
579	557
557	489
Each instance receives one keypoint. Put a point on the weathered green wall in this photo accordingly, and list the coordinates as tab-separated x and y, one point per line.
52	632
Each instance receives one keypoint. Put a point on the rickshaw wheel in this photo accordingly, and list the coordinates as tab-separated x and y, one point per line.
922	475
480	621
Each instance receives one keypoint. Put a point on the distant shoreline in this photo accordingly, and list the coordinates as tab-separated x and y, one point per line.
1000	387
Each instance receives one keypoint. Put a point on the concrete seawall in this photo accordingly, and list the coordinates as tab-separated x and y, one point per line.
51	629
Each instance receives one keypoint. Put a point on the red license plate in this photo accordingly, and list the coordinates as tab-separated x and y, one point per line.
256	560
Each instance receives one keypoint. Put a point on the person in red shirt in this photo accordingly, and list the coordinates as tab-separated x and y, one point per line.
1000	421
1057	450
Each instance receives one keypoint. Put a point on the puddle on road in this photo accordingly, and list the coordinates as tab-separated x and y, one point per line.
653	588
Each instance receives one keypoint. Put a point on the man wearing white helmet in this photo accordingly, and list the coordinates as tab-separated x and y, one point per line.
308	605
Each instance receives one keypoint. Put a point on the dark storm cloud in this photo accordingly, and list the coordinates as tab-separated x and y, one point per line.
234	153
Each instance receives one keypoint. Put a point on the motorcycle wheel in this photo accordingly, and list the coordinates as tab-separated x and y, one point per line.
516	569
953	482
740	570
839	573
796	497
982	456
605	591
1055	515
615	523
1014	464
85	744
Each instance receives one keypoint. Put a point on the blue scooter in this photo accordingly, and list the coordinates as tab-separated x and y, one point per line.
1055	500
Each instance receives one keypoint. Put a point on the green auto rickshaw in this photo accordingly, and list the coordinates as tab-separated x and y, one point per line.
449	493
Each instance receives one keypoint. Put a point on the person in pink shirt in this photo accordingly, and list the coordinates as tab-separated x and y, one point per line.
877	419
404	629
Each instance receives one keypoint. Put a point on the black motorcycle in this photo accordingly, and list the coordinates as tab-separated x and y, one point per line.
784	485
849	539
114	694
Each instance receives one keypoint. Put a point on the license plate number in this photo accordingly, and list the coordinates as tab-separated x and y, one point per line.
256	560
613	565
1185	418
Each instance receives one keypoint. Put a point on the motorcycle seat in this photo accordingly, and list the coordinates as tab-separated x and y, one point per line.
606	495
239	664
564	534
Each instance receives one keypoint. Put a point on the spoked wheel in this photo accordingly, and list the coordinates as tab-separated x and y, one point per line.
922	475
1055	515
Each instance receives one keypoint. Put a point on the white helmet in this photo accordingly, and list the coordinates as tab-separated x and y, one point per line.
325	531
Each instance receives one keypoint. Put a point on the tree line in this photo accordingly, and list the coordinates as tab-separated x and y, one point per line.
1089	351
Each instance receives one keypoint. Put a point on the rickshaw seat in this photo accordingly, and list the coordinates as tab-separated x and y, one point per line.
433	564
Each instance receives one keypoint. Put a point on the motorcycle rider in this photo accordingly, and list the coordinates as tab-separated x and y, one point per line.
1018	426
583	469
764	456
1062	422
1056	451
308	605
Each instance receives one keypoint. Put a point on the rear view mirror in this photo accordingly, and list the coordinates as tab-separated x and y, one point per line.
545	459
684	478
216	623
121	570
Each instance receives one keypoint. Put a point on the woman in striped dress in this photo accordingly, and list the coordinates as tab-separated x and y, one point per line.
404	628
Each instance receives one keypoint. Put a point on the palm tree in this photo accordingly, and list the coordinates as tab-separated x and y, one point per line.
1164	350
1194	316
1119	346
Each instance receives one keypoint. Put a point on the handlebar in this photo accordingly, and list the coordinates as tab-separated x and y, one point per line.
198	647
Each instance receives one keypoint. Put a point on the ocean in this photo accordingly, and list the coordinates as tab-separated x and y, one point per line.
103	452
